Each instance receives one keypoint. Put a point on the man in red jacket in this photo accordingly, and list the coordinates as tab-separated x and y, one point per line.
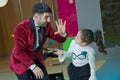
26	60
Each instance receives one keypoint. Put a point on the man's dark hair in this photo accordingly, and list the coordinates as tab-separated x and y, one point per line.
41	8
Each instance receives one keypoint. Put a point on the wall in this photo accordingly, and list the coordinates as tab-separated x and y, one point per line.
89	15
9	16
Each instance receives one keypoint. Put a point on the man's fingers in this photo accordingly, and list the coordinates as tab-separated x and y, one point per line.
64	23
56	32
61	22
38	73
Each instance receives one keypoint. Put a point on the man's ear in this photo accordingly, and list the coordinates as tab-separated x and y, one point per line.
36	16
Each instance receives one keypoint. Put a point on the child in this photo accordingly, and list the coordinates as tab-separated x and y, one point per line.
82	66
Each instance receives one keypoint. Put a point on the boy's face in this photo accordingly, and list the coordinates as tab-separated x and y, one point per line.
43	19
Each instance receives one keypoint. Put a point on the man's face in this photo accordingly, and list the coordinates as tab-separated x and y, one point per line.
43	19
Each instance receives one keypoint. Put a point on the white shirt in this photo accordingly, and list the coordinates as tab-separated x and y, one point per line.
81	56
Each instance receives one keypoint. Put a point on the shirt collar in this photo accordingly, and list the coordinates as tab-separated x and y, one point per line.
35	22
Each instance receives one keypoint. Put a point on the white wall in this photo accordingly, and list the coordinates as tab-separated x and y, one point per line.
89	16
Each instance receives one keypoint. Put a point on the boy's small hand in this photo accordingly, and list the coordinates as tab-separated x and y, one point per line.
59	52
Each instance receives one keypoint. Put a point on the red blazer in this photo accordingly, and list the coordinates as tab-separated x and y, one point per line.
22	55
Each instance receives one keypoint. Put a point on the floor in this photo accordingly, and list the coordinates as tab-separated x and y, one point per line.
110	70
53	66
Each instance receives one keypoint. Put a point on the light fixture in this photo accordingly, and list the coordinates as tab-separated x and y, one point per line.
3	2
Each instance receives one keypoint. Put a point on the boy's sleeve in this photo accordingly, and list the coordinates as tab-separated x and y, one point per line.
92	66
66	53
